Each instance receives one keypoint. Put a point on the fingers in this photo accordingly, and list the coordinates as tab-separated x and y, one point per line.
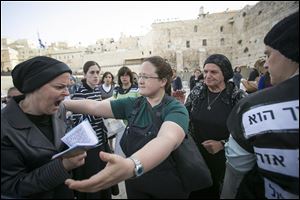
82	161
81	158
77	185
107	157
209	146
93	184
82	155
206	142
99	181
86	185
74	162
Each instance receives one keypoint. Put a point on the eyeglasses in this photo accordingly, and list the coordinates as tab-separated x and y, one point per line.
146	77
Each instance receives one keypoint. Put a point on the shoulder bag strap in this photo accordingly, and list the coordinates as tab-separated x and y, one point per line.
156	117
135	110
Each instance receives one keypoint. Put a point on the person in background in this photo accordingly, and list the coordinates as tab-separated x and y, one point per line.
176	82
251	85
185	75
237	76
177	89
263	153
135	78
73	85
254	74
107	85
90	90
72	89
126	88
209	105
154	172
196	78
12	92
265	79
31	128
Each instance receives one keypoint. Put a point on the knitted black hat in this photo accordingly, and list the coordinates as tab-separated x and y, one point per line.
284	37
35	72
224	64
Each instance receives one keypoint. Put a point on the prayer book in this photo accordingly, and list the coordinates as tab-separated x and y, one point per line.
81	138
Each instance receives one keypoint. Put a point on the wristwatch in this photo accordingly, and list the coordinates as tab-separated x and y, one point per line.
138	169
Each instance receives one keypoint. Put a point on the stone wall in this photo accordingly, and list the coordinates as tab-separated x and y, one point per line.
251	26
186	43
236	34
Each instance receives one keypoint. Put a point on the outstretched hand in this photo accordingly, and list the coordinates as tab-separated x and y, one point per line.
116	170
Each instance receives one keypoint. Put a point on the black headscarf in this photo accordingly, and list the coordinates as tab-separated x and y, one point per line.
35	72
284	37
222	62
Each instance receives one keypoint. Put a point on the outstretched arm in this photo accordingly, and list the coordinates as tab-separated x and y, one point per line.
118	168
90	107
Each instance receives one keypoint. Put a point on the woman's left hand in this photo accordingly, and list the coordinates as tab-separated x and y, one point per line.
212	146
116	170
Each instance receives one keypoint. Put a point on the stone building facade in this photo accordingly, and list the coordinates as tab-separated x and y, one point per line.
236	34
253	23
185	44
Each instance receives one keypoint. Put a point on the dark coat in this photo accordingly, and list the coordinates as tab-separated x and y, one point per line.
27	170
177	84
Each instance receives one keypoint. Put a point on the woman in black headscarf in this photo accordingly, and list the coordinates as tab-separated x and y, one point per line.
31	129
209	105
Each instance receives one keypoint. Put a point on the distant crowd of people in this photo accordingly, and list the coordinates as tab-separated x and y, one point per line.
247	130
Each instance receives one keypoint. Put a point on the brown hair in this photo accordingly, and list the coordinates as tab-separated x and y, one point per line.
163	70
124	71
259	65
105	74
88	64
197	69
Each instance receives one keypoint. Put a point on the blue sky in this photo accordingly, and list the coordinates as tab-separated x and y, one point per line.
86	22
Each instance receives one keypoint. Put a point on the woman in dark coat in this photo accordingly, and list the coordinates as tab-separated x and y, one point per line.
209	105
31	129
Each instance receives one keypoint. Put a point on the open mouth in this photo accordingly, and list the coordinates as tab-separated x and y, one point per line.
57	102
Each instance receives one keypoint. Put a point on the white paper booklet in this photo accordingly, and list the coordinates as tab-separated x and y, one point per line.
81	138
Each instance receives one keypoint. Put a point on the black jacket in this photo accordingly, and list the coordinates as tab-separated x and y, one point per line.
27	170
266	124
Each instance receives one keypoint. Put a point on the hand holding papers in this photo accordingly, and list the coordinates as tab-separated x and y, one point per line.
79	139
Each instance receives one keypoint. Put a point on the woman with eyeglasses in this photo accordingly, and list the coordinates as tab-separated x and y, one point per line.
149	170
91	90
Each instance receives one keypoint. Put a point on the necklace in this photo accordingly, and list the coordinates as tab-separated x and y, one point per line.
209	104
